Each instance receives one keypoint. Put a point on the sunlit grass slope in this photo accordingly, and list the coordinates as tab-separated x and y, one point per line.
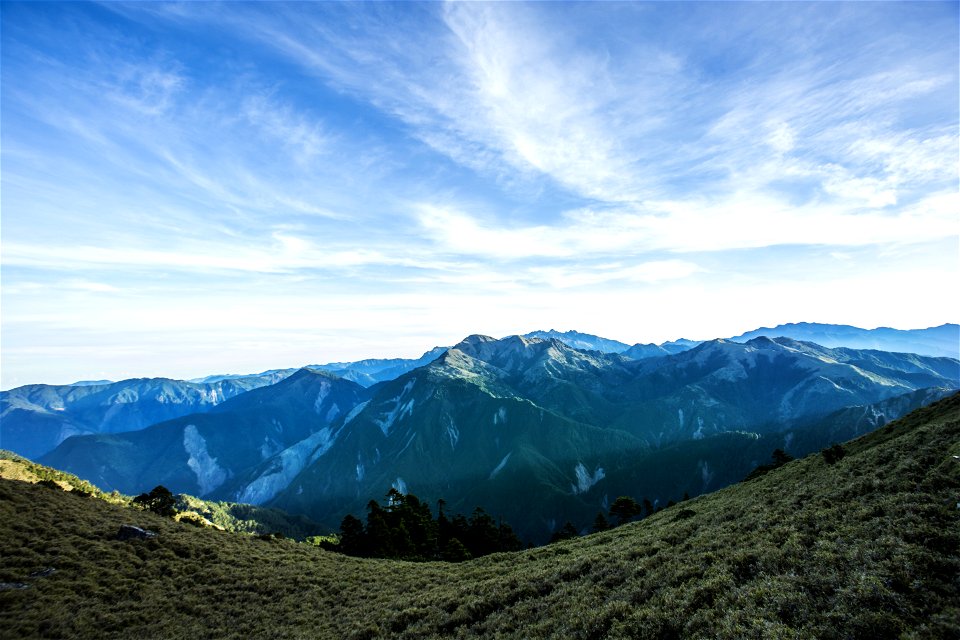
230	516
867	547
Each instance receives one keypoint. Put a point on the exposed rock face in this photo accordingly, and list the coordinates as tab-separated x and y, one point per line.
131	532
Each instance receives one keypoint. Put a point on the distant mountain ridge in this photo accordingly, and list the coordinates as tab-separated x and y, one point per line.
369	372
364	372
582	341
574	428
943	340
36	418
472	422
204	453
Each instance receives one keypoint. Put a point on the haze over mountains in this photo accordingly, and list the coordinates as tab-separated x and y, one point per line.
469	424
943	340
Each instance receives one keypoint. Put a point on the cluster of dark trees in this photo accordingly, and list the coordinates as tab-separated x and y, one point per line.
404	528
160	500
778	459
834	454
624	509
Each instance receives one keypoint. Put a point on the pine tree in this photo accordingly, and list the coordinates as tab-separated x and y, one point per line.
624	509
455	551
566	532
600	523
379	539
781	457
483	538
352	536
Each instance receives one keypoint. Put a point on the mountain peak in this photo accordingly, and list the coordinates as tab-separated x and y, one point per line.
582	341
490	349
301	373
473	340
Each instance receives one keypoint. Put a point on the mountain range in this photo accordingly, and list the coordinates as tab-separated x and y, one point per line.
943	340
36	418
863	546
200	453
577	429
573	428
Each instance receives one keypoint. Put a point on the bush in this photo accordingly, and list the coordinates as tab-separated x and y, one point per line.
833	454
193	519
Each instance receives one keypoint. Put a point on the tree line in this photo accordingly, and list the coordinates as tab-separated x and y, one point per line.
404	528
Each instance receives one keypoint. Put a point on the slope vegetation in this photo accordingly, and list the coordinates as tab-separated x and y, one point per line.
864	547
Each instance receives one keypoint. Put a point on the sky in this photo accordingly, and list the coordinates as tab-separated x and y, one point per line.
199	188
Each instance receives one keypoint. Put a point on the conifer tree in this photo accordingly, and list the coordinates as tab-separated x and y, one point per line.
566	532
600	523
352	536
624	509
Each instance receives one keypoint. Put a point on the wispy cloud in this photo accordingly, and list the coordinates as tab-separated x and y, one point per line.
747	220
284	253
294	131
450	168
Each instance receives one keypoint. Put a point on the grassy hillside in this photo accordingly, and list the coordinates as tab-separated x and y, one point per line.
230	516
15	467
867	547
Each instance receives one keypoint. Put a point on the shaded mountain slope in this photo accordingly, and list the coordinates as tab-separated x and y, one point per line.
766	385
577	429
866	547
440	433
36	418
200	453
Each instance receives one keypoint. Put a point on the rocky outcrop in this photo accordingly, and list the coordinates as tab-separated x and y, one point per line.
131	532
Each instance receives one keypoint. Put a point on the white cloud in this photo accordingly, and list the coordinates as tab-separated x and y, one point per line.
286	253
781	137
608	166
744	221
652	272
148	89
293	130
542	107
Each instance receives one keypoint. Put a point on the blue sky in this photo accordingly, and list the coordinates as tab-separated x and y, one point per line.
199	188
